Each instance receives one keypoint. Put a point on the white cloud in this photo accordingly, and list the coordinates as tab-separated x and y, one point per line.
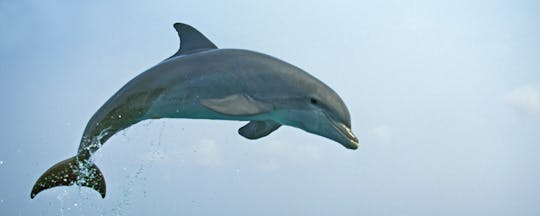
207	153
526	97
279	152
290	151
382	133
269	165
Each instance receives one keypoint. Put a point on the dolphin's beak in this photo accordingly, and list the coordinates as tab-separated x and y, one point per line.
347	138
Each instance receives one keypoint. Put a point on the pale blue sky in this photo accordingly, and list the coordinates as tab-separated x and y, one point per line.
444	98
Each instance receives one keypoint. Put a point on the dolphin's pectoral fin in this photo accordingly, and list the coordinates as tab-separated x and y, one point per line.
258	129
70	172
191	40
237	105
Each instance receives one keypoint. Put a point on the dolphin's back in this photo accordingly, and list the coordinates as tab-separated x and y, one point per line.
232	70
218	74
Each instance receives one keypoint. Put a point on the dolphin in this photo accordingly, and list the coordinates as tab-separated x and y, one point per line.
201	81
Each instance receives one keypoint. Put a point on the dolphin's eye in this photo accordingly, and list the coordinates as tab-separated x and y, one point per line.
313	101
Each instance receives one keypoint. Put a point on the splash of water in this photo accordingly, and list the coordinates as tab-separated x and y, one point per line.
127	190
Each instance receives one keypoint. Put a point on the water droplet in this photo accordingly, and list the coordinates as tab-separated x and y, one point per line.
75	204
1	162
119	116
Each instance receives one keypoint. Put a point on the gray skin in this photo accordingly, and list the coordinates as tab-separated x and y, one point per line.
203	82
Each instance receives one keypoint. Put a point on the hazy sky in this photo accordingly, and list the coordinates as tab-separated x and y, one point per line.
444	98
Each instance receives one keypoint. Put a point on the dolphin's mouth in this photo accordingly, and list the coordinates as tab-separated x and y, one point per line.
352	141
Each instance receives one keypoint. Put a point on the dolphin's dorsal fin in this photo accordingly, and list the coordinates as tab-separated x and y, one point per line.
191	40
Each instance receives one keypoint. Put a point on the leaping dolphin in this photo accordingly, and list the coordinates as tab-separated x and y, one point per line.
201	81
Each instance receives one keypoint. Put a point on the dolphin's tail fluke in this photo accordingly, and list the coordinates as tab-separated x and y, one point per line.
69	172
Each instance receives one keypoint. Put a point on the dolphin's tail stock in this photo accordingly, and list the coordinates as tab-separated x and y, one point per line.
69	172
